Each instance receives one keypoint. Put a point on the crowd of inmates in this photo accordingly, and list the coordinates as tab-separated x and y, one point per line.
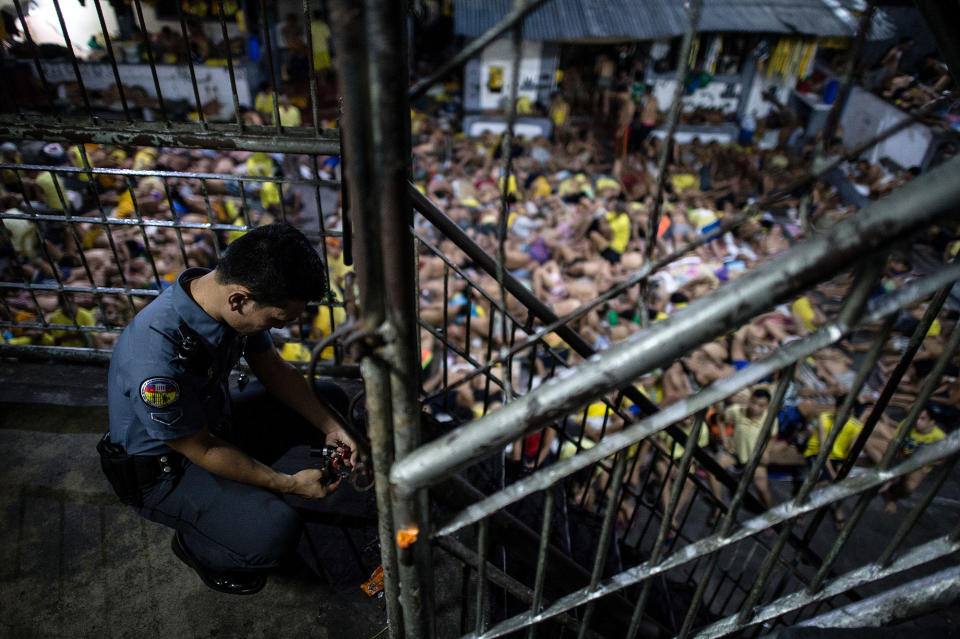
578	221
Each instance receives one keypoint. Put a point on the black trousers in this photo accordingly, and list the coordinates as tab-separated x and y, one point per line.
235	527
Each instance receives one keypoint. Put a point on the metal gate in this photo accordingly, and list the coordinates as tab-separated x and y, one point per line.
651	563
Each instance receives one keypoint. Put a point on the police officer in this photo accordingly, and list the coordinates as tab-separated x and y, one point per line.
175	452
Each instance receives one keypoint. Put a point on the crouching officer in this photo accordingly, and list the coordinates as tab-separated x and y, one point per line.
175	452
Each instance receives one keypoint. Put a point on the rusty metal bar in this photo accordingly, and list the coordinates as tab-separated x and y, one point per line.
348	25
314	95
852	310
73	59
171	134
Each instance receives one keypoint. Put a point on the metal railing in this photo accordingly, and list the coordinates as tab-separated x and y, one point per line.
602	540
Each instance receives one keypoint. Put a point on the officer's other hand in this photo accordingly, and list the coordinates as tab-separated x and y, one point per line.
340	438
309	483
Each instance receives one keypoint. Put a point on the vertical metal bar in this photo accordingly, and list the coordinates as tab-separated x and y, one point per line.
446	320
152	61
506	172
606	532
210	216
666	522
388	75
176	227
113	60
233	77
283	206
47	91
308	22
143	234
542	558
193	72
907	525
483	538
73	60
348	28
673	118
265	25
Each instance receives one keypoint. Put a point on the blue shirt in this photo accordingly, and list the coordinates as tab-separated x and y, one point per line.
170	369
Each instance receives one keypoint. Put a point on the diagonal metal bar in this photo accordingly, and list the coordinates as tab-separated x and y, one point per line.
518	13
230	69
919	556
113	60
790	353
885	221
871	478
929	385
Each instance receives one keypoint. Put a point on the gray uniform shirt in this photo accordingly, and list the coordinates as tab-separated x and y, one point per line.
169	371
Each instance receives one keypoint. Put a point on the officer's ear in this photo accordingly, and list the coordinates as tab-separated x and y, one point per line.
237	298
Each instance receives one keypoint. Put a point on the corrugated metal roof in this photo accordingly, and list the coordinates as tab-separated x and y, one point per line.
772	16
651	19
576	19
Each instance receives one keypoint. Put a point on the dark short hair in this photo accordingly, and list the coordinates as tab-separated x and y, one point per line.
761	392
277	263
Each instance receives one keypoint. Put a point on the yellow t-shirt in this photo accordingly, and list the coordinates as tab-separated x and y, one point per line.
620	225
915	439
269	195
805	312
674	448
746	431
683	181
295	352
290	116
50	195
843	443
70	338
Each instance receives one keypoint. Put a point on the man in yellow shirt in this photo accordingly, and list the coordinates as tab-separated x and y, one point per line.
924	433
747	420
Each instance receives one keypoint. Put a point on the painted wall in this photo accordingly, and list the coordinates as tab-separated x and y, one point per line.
213	82
866	115
499	55
723	94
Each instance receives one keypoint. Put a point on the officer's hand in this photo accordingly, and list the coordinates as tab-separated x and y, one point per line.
309	483
340	438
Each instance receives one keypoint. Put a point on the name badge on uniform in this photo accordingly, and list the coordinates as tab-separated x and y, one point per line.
159	392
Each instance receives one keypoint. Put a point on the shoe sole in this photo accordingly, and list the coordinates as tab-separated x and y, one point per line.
184	555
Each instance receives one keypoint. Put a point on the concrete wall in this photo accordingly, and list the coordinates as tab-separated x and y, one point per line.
866	115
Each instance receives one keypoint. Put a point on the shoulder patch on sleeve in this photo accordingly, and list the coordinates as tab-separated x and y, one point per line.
159	392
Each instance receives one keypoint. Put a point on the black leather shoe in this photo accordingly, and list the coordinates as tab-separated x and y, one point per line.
230	583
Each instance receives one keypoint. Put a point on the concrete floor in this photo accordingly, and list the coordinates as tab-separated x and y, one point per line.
74	562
